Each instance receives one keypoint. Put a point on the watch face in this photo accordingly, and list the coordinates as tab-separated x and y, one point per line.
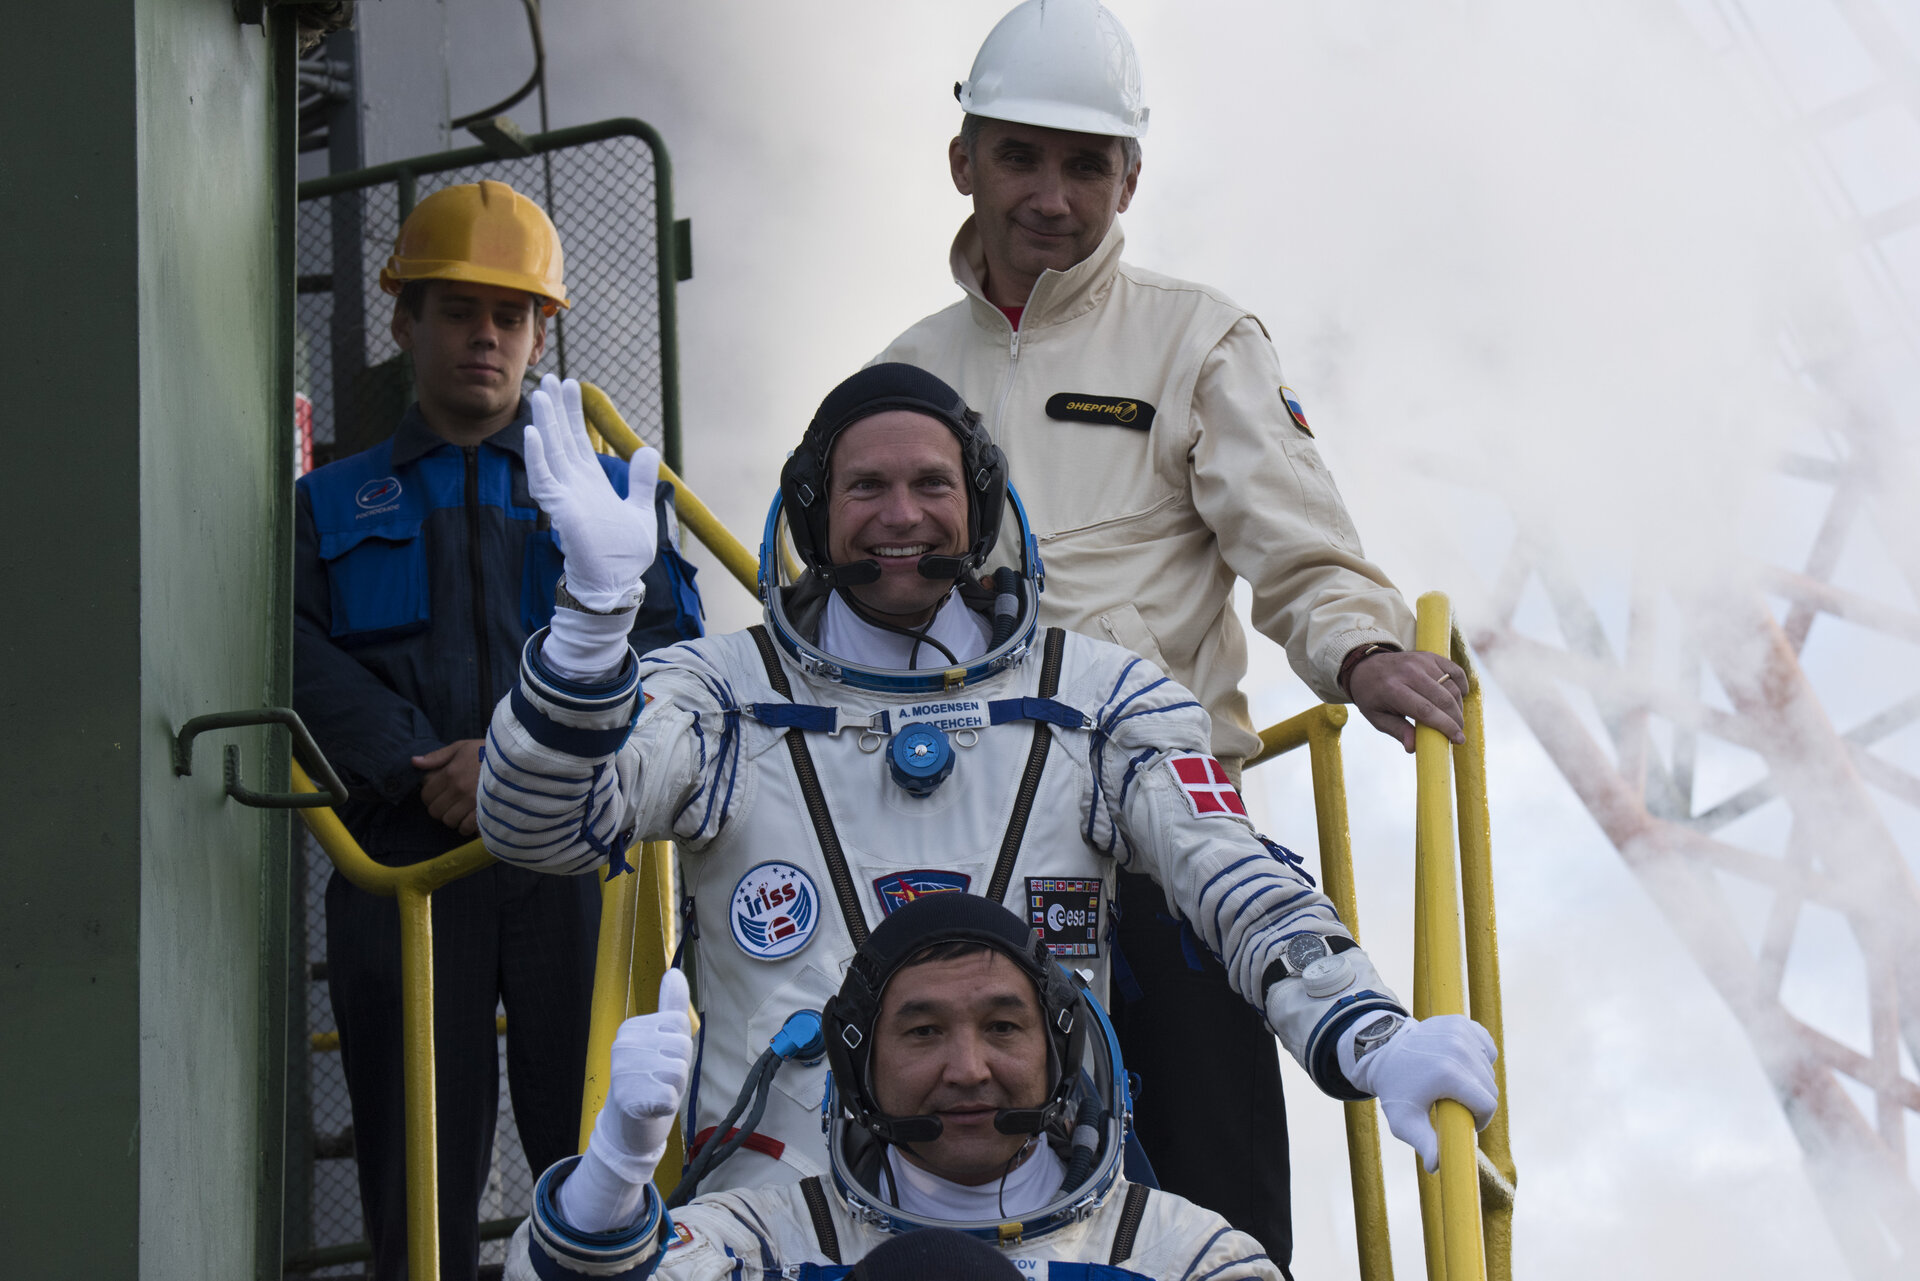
1374	1035
1304	949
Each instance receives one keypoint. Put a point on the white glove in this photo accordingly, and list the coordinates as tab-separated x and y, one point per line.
608	541
1419	1063
652	1065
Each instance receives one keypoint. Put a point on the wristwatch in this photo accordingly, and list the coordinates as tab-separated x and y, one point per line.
1353	659
1315	959
564	599
1375	1034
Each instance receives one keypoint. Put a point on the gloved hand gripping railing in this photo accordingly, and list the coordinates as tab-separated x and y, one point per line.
1473	1239
1467	1209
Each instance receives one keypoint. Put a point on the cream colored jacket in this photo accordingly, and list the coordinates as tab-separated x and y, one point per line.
1143	525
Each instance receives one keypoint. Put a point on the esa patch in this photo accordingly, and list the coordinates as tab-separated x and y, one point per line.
1291	399
774	911
903	887
1066	912
1204	782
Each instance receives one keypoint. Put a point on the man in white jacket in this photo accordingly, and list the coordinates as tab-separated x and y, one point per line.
897	729
1161	455
977	1088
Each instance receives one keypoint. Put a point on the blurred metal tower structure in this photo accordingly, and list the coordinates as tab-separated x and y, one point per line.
1721	669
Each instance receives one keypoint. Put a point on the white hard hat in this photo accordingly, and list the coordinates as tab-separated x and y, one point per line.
1060	64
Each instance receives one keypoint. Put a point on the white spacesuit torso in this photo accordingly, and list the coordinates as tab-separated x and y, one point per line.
1126	782
759	1234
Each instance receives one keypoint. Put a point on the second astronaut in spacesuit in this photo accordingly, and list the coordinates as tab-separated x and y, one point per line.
896	728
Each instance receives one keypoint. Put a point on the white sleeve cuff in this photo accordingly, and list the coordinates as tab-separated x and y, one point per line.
589	648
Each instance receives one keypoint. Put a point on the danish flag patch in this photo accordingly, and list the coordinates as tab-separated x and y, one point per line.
1204	782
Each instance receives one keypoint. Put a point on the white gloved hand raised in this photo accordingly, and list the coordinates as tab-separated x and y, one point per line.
1419	1063
652	1064
608	541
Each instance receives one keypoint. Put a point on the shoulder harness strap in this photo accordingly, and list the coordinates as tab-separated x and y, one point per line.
822	1214
836	859
1130	1215
1036	763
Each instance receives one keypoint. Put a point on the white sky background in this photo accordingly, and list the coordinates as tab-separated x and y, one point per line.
1542	240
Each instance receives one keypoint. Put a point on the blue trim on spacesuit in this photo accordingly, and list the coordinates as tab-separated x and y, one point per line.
553	1241
1322	1056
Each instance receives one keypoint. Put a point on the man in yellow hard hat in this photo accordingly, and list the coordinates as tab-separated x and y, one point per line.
1161	456
422	567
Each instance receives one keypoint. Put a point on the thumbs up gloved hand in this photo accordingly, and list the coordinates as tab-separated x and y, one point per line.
652	1065
608	541
1409	1065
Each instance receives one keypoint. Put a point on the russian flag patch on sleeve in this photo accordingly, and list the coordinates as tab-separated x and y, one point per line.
1291	399
1204	782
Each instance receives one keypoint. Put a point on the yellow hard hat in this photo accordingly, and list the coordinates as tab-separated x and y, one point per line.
483	232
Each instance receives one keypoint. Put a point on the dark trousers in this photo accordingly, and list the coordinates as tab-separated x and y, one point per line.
501	935
1210	1113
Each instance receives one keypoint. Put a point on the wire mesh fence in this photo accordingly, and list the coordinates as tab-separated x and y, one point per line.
603	195
607	189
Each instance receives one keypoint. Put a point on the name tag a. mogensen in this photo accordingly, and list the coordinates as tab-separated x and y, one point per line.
948	714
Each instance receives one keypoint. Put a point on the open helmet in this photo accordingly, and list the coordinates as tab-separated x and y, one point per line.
1001	562
1088	1107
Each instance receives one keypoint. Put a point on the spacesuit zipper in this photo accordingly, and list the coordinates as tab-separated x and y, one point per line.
483	673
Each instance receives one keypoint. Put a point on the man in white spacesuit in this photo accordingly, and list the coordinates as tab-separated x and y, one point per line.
976	1086
896	729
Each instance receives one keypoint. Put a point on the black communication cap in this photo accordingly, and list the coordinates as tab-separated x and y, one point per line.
877	389
950	917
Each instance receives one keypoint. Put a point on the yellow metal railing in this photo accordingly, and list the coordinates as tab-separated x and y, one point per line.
696	516
1466	1209
413	886
637	938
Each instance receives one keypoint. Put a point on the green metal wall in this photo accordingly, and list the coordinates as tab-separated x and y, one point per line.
149	168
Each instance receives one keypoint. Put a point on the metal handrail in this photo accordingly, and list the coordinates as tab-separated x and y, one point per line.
1318	730
626	980
1497	1175
738	559
1466	1209
1438	982
413	887
694	514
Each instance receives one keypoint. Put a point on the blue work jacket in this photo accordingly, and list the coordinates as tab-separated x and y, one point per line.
420	569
